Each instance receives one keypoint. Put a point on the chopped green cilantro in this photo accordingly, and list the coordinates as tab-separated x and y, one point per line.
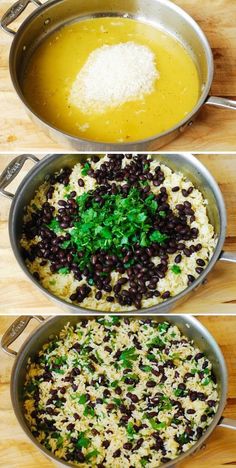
82	441
176	269
92	454
85	169
89	411
63	271
157	426
54	225
130	430
127	357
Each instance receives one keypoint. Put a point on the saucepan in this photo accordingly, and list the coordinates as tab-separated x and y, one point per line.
187	164
188	325
163	13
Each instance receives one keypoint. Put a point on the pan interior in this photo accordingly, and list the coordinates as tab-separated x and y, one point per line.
189	326
160	14
186	164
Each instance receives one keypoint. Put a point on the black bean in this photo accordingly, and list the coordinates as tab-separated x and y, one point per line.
132	397
106	444
199	270
81	182
187	252
200	262
199	356
211	403
98	295
117	453
150	383
175	189
182	386
178	258
127	446
138	444
166	295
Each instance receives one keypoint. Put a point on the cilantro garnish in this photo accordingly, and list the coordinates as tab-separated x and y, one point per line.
115	383
146	368
117	401
158	237
82	399
127	357
144	461
54	225
183	438
63	271
163	327
85	169
92	454
82	441
121	221
176	269
130	430
157	342
206	381
157	426
89	411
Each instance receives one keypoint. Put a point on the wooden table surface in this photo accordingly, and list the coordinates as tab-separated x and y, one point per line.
220	450
19	296
214	129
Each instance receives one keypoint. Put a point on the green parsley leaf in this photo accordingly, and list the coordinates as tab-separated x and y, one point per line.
82	400
115	384
163	327
85	169
63	271
92	454
54	225
128	356
117	401
89	411
130	430
176	269
82	441
146	368
158	237
144	461
157	426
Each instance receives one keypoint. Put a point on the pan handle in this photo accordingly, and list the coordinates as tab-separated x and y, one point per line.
228	256
11	172
13	12
15	330
221	102
227	423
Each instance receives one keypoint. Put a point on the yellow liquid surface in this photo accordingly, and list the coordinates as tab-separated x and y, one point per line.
55	64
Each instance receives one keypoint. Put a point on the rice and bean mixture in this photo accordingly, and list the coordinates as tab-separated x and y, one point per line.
117	232
119	392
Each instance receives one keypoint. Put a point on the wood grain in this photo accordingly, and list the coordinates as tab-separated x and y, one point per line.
217	296
220	450
214	129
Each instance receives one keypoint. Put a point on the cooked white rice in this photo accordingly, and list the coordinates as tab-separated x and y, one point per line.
88	392
63	286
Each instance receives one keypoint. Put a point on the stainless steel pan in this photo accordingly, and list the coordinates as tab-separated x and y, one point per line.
185	163
188	325
53	14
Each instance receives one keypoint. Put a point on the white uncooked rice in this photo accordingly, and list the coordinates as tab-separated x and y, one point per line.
113	75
